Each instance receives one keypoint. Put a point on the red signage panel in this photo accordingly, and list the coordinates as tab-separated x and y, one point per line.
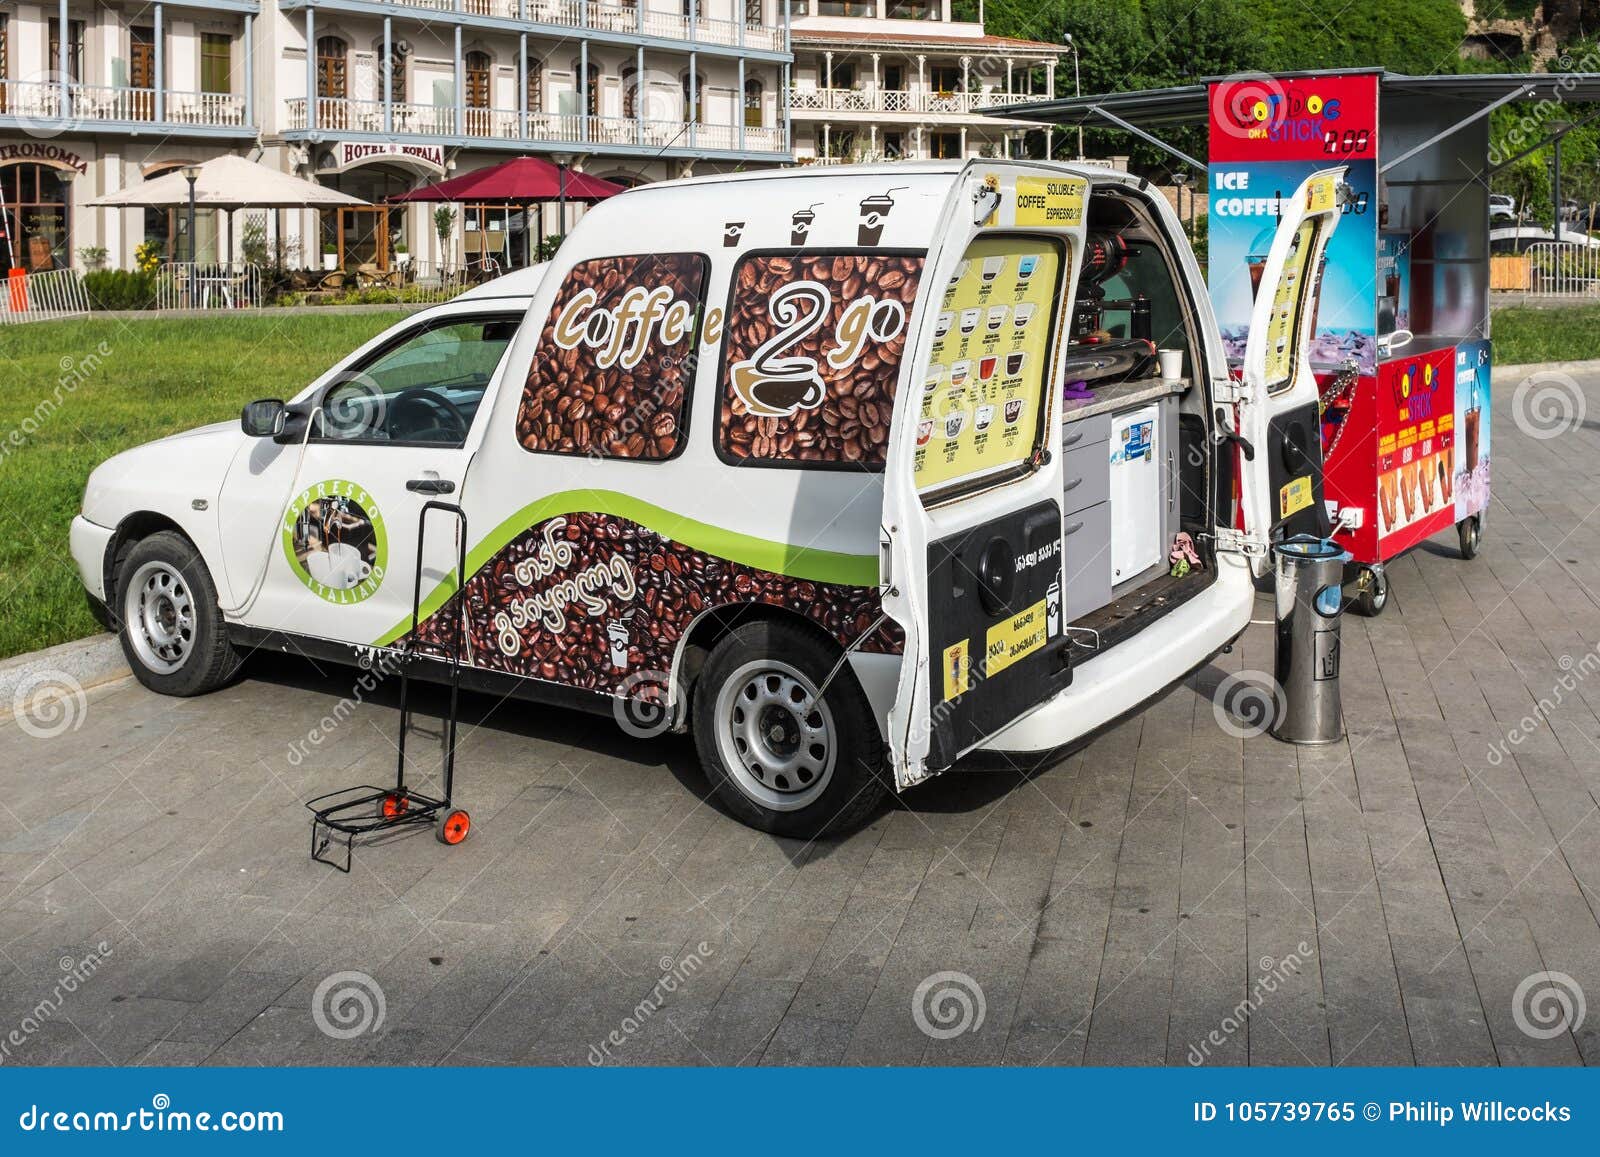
1311	118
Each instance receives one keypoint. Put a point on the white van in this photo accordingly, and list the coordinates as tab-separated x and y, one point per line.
785	455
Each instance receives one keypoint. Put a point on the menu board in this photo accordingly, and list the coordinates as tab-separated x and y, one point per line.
986	378
1288	300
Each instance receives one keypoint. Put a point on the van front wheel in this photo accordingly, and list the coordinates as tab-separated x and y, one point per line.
171	628
779	758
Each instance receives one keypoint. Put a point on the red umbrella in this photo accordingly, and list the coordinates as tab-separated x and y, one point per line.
517	182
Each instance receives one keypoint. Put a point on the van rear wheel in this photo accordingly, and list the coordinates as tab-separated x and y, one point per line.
780	759
172	630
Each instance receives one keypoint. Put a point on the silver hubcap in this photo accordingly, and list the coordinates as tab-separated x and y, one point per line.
775	739
159	612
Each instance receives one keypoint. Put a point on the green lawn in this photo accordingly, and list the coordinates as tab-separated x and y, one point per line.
74	393
1559	334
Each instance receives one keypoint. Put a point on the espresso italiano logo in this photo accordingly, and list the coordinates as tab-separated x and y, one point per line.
334	540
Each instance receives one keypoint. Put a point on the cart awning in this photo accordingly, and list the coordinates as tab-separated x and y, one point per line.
1157	108
519	181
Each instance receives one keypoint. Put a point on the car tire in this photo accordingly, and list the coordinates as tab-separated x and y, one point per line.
171	627
774	764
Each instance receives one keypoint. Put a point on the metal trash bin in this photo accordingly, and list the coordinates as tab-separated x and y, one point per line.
1307	574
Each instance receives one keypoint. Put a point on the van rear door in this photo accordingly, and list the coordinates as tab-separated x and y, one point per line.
971	535
1278	414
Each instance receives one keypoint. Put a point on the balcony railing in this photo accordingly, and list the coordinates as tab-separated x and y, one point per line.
340	115
601	16
888	100
42	101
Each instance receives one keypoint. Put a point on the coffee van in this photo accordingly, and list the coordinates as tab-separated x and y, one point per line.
850	472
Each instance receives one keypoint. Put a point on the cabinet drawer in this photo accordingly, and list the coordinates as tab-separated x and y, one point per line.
1089	430
1085	477
1086	560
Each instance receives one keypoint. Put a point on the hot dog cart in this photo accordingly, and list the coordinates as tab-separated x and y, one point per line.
1401	334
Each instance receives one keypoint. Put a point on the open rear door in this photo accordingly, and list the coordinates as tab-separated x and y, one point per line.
971	538
1278	414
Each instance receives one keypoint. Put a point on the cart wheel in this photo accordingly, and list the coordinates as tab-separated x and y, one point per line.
395	804
1372	592
1471	532
453	827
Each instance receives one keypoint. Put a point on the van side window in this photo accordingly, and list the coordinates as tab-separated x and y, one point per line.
421	390
615	362
811	356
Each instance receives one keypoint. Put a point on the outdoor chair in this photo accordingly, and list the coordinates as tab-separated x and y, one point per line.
334	280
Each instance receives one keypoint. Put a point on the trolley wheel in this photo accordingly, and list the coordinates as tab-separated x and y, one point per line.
1372	592
1470	529
452	827
395	804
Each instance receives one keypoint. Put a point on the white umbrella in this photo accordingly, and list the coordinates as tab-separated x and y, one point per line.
231	182
227	183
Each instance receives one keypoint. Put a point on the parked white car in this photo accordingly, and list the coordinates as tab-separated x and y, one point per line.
782	456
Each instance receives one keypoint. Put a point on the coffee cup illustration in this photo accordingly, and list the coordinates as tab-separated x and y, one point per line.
1013	410
934	379
1015	362
618	637
874	211
985	418
997	317
961	270
924	431
987	367
1026	265
1022	315
969	319
776	387
942	324
959	372
800	226
953	422
992	266
731	232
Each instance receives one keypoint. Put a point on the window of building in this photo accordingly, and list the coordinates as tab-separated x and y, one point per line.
694	98
535	73
894	77
944	146
589	98
913	10
602	386
796	388
5	55
142	57
630	92
754	12
839	144
945	78
38	210
754	104
74	48
216	62
332	68
478	66
894	145
423	390
393	67
842	75
844	8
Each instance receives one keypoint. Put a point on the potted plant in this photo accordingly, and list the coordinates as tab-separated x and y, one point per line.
444	223
330	256
402	254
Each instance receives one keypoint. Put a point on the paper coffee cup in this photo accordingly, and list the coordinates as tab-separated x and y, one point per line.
1171	364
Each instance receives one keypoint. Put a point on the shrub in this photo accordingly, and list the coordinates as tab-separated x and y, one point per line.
120	289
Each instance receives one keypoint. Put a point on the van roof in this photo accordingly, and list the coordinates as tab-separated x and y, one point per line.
881	169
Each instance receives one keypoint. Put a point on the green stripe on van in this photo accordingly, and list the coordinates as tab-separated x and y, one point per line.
826	566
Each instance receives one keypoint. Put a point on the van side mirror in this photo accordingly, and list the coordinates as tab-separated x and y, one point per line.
262	419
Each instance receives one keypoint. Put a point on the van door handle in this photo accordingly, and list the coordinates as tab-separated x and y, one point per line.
431	486
1071	439
1073	485
1072	528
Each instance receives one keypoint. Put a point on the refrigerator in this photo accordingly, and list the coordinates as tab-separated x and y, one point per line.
1135	493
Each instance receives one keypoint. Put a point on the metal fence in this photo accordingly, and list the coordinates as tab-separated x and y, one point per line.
43	296
1563	269
208	285
409	282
